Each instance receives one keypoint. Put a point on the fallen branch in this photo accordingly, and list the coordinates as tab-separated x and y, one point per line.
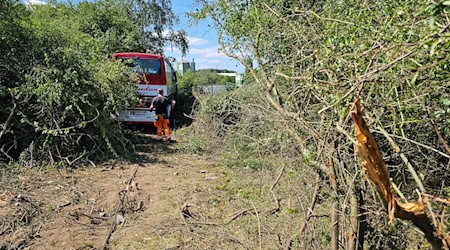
441	138
119	206
275	199
288	243
277	180
311	207
133	176
6	154
189	116
186	214
112	228
237	215
8	121
259	226
437	199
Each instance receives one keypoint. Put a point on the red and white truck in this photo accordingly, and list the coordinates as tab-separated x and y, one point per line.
155	72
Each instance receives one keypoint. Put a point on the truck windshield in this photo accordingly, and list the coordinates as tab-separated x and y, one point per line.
147	66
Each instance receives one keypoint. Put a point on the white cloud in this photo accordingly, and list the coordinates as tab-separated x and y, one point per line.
209	61
172	50
210	52
195	41
205	58
166	33
206	53
35	2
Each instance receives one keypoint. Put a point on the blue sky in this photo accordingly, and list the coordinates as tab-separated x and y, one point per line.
203	45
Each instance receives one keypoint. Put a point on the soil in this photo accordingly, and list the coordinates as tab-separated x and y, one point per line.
163	199
75	210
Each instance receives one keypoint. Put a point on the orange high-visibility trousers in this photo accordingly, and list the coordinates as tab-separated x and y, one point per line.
160	123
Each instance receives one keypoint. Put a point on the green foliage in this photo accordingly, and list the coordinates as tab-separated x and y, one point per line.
185	84
233	161
293	211
314	58
57	70
195	145
246	194
190	82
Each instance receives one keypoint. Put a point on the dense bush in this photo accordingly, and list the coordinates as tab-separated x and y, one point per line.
58	85
191	82
314	59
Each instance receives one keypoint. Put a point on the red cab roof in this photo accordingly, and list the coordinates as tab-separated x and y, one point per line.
136	54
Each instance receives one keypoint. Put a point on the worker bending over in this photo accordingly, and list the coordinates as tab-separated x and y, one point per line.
162	107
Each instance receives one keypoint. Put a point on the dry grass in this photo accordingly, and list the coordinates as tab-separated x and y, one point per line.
189	201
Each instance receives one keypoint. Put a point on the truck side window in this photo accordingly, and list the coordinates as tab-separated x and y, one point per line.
170	74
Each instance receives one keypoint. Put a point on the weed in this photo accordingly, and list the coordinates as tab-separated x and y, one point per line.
252	164
292	173
195	145
214	201
88	244
246	194
292	210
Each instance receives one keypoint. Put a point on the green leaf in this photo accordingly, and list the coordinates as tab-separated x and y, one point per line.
434	45
446	102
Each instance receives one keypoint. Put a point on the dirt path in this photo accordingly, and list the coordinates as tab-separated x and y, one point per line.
75	211
175	201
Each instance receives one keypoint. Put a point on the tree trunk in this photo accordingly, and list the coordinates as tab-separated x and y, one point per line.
354	222
335	226
334	209
362	220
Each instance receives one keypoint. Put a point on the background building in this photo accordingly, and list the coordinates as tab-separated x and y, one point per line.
238	78
182	67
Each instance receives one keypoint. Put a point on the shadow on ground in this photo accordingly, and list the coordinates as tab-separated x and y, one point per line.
146	146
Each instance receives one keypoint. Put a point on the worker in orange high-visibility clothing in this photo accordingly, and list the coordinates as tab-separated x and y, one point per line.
162	107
